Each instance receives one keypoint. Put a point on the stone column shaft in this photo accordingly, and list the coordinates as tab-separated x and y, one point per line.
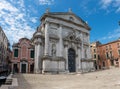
89	53
37	58
66	57
46	52
82	48
36	61
60	42
79	58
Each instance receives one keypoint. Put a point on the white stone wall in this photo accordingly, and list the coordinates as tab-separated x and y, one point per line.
87	67
53	66
58	31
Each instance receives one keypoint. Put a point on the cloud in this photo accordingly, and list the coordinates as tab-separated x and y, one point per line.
109	5
34	20
118	10
15	20
46	2
106	3
111	35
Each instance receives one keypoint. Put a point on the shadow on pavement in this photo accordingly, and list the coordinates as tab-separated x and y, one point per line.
22	83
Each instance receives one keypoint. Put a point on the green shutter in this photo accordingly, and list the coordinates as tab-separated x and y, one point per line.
16	53
32	54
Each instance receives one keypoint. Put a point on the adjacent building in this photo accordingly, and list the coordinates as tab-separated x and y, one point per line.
111	53
62	44
23	56
95	54
4	52
106	55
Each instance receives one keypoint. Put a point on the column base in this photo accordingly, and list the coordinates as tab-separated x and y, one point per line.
37	71
66	71
53	65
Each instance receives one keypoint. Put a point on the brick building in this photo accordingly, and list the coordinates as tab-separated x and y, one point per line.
4	51
23	56
95	54
106	55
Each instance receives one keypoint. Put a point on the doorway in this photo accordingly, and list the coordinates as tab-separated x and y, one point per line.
31	68
15	68
23	68
71	60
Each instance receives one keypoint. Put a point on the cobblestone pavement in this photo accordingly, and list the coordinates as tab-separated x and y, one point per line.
107	79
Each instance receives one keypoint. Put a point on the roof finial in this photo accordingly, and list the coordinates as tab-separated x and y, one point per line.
47	10
70	10
86	22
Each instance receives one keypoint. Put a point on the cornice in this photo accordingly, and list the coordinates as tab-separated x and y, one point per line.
50	58
68	21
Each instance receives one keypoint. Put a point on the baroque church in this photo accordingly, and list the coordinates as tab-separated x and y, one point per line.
62	44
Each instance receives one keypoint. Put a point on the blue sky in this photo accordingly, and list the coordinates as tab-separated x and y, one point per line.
20	18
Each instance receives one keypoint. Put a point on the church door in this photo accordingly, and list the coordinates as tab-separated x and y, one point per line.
31	68
71	60
23	70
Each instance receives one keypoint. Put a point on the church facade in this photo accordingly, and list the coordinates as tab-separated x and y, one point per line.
62	44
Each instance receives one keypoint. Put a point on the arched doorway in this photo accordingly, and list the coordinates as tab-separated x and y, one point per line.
23	66
71	60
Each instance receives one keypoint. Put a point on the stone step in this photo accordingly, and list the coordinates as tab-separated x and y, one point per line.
8	82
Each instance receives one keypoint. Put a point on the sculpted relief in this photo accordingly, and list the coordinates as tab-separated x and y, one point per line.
53	47
53	50
72	36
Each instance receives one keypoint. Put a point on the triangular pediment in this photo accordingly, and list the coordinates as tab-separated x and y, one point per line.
69	17
72	37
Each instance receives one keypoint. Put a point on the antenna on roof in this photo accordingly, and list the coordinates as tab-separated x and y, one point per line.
70	10
47	10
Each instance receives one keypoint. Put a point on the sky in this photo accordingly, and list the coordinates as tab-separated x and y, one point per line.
20	18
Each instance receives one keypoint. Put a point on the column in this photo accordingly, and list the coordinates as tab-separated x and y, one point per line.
79	58
37	53
89	52
66	56
39	56
46	39
82	46
35	64
82	52
60	42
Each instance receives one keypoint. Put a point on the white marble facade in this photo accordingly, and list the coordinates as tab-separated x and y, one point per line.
62	44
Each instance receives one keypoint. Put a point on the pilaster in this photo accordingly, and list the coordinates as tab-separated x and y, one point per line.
46	39
60	42
82	46
38	66
66	56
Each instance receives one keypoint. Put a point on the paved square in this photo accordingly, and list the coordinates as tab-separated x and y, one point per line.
106	79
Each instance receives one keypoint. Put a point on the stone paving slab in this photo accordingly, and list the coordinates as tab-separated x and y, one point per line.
14	83
107	79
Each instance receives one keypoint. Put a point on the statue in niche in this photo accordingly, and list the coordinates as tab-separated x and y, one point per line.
53	51
85	51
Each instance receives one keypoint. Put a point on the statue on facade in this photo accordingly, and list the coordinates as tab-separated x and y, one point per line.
53	51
